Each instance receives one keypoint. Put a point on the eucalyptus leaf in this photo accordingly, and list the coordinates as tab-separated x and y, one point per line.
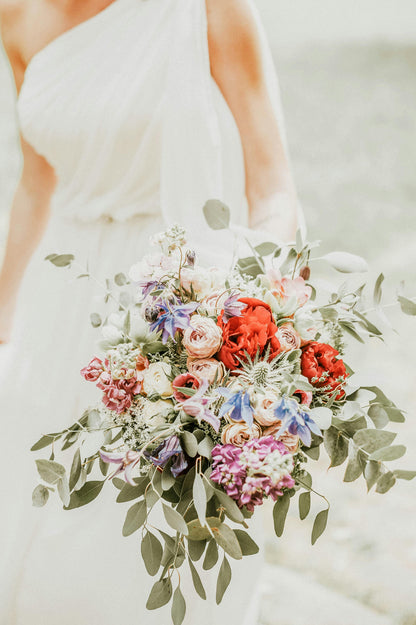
205	447
175	520
336	446
345	262
40	496
226	538
371	440
160	594
197	580
129	492
178	607
372	472
378	415
385	482
136	516
404	475
386	454
152	552
280	510
247	544
217	215
211	556
322	417
378	290
196	548
200	498
45	441
230	506
266	249
60	260
189	443
224	579
50	471
319	525
199	532
96	320
407	306
86	494
75	470
304	505
62	486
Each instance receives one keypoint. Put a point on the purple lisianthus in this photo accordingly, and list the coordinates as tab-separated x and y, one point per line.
237	405
125	461
148	286
170	448
198	406
173	316
296	421
232	307
261	468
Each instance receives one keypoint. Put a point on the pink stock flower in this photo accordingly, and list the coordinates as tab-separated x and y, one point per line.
118	394
93	370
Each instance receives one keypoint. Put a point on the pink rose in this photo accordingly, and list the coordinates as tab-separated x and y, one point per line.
206	369
93	370
289	339
185	380
203	337
239	433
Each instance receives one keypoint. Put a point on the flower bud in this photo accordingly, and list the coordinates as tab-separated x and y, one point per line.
190	258
305	272
151	313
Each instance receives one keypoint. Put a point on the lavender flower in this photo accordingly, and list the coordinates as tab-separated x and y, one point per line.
232	307
237	404
296	421
173	316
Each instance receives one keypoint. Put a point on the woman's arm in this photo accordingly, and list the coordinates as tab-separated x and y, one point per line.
237	67
30	209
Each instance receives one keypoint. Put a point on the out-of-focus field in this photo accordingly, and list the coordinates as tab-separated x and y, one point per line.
351	121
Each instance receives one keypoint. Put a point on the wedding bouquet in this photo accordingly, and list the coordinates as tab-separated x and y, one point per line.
219	387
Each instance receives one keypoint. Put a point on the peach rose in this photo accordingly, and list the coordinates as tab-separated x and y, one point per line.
206	369
264	410
289	339
203	338
239	433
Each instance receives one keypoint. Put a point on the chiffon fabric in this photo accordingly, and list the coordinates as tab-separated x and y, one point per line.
124	108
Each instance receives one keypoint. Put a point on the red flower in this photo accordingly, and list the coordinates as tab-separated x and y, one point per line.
322	366
185	380
250	333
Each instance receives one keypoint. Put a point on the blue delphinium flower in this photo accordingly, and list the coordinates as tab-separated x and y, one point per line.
237	405
296	421
173	316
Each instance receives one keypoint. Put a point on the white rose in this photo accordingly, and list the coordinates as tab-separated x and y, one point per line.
155	412
196	278
156	381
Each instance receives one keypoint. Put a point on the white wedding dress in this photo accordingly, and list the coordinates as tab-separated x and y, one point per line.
124	108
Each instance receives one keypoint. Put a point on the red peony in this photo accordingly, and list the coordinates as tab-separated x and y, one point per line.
322	366
252	332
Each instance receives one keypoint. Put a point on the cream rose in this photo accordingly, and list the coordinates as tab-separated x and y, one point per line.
264	409
156	380
239	433
197	279
289	339
206	369
203	338
155	412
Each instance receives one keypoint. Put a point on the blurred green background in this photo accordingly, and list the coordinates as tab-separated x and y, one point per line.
348	82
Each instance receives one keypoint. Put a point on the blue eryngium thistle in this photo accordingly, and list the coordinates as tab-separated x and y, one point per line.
296	421
237	405
173	316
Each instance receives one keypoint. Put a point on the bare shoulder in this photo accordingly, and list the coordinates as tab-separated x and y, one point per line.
233	38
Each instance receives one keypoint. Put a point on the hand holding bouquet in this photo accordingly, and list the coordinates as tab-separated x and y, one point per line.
218	388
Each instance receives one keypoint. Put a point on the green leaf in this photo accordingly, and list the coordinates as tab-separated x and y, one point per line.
319	525
96	320
152	552
40	496
196	548
371	473
211	556
313	452
129	492
85	495
178	607
136	516
50	471
205	447
230	506
62	487
280	510
175	520
404	475
386	454
60	260
226	539
371	440
247	544
304	505
224	579
160	594
378	290
385	482
407	306
355	466
75	470
378	415
200	498
349	328
250	266
336	446
189	443
395	415
45	441
199	532
266	248
217	215
197	580
120	279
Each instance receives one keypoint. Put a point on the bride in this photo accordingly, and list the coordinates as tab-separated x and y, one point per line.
132	113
